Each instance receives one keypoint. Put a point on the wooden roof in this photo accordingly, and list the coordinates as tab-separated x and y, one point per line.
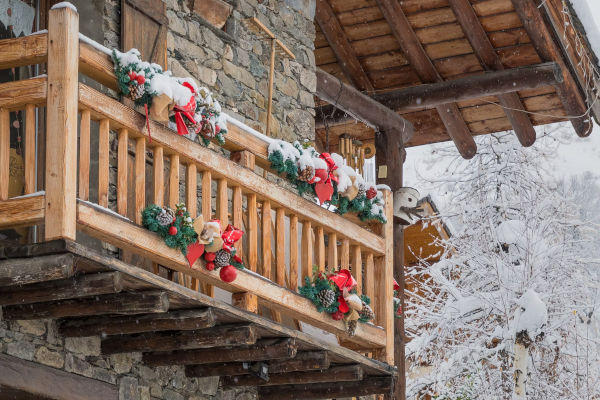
384	45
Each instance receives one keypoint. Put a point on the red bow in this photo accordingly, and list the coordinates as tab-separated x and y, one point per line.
343	279
330	167
396	286
188	111
230	236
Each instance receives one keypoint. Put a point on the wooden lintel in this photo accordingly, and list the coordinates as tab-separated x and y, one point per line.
568	91
79	286
304	361
227	335
361	106
339	43
513	107
50	383
171	321
471	87
450	115
368	386
23	271
266	349
345	373
122	303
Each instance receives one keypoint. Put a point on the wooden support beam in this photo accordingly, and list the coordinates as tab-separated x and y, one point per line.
51	383
368	386
568	91
345	373
344	53
361	106
226	335
19	212
61	124
411	46
122	303
514	109
246	301
181	320
24	271
304	361
79	286
491	83
266	349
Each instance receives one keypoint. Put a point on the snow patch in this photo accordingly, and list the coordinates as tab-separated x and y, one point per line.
64	4
39	193
532	314
94	44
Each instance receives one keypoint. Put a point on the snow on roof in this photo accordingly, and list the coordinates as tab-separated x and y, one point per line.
587	12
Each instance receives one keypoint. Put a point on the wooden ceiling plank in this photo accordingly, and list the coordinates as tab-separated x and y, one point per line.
568	91
340	45
513	107
409	42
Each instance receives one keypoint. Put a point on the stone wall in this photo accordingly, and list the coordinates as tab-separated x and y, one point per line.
39	341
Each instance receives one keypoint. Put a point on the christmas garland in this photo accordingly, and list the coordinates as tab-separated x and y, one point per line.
193	110
335	294
326	177
175	227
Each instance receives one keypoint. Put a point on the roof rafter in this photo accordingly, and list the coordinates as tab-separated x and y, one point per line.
568	91
346	57
411	46
467	18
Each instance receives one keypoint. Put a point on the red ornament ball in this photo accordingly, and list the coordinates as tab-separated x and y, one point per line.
173	230
210	266
140	79
132	75
338	315
210	257
228	273
371	193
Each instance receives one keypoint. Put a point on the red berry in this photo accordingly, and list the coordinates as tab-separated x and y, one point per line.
371	193
132	75
210	256
210	266
237	258
217	129
173	230
140	79
338	315
228	273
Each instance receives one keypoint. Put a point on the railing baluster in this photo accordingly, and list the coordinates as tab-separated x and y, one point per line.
84	151
357	267
294	252
237	214
345	254
266	239
30	148
103	159
320	240
307	250
207	215
158	173
122	161
280	246
4	153
222	203
369	289
191	188
252	232
332	259
140	178
173	180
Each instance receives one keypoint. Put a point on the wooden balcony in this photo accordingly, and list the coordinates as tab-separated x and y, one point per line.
285	234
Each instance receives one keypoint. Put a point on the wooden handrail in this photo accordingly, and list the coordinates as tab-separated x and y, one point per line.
27	50
16	95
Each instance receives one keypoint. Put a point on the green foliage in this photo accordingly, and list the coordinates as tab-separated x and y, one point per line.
311	289
122	73
185	231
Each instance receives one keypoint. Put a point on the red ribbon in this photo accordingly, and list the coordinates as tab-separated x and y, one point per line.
330	167
396	286
230	236
343	279
188	111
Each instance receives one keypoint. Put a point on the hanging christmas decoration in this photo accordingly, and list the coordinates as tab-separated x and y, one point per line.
220	253
174	226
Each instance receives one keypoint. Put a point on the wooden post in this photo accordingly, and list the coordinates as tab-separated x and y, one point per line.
385	280
61	127
293	252
4	152
122	172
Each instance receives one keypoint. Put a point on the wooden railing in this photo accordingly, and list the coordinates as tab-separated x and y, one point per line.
285	235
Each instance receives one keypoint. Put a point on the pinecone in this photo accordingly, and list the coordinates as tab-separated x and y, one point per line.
351	327
326	297
371	193
136	91
366	312
306	174
222	258
362	191
165	217
208	130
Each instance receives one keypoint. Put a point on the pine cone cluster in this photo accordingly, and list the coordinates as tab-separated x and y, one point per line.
326	297
366	312
222	258
136	91
351	327
371	193
165	217
362	191
306	174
